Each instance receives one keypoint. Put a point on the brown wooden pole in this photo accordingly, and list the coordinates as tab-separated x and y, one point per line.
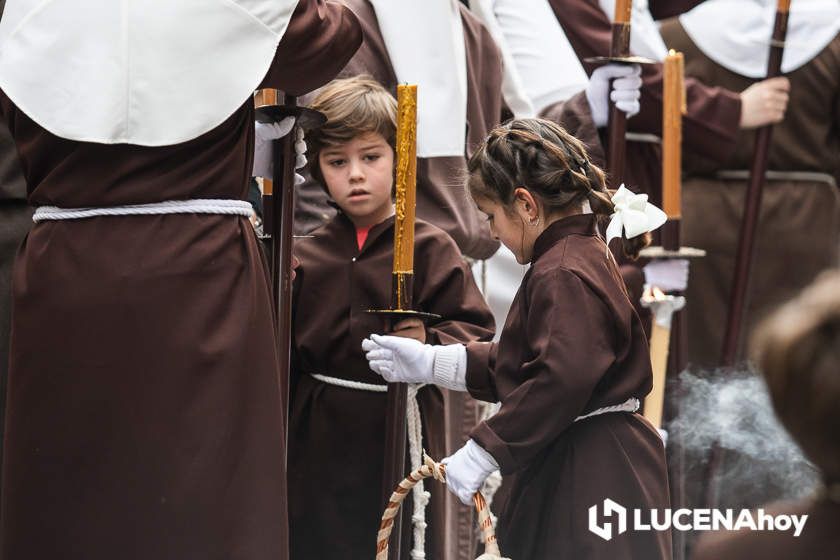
752	206
617	124
282	225
746	243
401	296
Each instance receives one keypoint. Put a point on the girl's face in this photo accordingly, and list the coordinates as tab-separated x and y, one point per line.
359	176
517	225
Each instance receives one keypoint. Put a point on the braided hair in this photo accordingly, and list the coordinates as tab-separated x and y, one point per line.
541	157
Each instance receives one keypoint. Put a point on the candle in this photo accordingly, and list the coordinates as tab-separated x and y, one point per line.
406	179
673	108
623	9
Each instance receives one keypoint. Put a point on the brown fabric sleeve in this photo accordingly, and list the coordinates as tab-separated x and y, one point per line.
568	332
481	361
321	38
448	289
711	124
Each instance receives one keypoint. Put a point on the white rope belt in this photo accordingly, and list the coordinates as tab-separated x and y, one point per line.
771	175
222	206
347	384
630	405
493	482
414	425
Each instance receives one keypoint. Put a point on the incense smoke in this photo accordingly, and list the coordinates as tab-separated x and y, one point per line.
733	410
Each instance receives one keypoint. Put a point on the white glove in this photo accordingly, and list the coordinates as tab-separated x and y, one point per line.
300	155
626	86
405	360
264	134
466	470
669	275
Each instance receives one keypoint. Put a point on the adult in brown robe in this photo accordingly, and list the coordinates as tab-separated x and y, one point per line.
15	221
709	127
572	344
799	224
336	446
441	198
144	418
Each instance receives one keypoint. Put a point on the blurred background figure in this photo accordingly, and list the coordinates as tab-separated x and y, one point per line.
726	44
798	349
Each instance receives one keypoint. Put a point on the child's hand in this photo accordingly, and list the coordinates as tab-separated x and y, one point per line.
411	328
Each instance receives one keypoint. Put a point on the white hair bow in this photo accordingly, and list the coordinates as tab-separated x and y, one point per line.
633	215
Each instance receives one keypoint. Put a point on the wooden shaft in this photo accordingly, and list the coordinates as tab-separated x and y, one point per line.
617	124
752	207
395	451
660	340
282	222
401	293
617	146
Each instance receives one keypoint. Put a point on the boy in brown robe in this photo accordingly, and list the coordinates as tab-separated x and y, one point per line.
338	405
570	366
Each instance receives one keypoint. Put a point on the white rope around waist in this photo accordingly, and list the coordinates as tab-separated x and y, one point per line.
222	206
414	425
630	405
348	384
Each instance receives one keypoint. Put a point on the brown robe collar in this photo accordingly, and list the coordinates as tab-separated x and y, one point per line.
344	222
579	224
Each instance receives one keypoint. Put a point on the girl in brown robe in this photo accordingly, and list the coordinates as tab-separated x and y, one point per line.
572	345
144	418
337	424
798	349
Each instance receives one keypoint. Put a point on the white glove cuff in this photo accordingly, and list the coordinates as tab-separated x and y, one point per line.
450	369
483	459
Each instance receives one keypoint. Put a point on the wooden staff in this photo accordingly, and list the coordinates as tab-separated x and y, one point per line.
752	204
668	334
401	293
619	49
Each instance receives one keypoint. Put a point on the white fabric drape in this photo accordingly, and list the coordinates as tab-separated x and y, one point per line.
425	42
147	72
741	43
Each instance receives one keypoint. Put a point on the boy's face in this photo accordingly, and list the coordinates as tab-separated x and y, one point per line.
359	177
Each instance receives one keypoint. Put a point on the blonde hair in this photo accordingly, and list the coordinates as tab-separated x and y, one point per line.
353	106
798	349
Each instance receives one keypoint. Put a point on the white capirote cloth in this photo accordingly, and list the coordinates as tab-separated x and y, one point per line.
545	60
513	89
736	33
645	39
425	42
146	72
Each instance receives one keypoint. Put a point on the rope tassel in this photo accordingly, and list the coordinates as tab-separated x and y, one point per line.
431	469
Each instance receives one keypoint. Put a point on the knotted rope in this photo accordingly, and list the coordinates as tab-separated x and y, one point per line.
431	469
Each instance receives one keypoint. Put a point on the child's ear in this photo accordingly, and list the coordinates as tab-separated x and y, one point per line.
526	203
